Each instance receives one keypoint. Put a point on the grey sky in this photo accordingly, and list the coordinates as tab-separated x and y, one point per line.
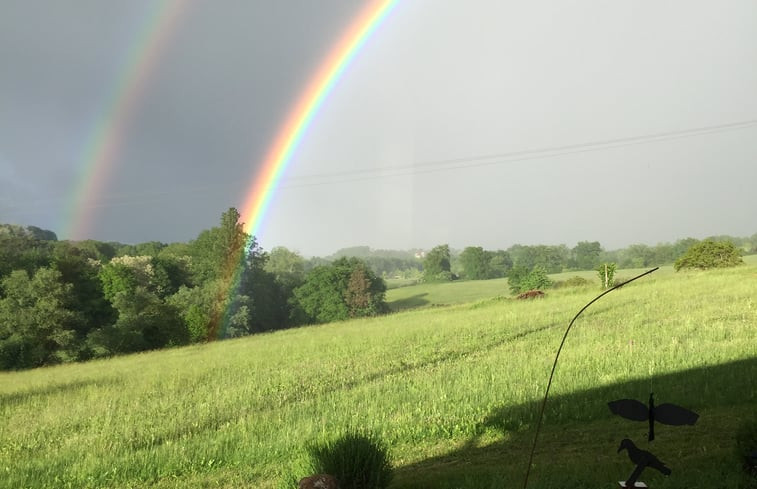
393	158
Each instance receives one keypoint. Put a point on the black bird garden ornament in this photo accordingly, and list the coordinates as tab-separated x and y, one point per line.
642	459
669	414
554	366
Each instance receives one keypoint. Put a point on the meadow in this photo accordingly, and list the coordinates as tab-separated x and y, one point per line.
404	297
454	391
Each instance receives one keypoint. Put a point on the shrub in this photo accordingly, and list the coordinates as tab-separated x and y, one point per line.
357	460
710	254
746	450
522	280
536	279
606	272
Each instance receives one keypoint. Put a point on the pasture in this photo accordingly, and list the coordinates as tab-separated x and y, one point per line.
453	390
461	292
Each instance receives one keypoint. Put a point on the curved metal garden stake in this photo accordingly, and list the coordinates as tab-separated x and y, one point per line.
554	366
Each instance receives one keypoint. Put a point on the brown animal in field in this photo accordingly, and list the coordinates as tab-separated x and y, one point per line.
531	294
318	481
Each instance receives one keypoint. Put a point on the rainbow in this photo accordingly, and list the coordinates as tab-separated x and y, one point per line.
301	117
101	148
280	154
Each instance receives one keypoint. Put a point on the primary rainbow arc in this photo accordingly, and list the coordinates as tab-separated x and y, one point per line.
280	154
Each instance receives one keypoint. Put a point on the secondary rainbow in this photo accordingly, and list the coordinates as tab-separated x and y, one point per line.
280	154
102	146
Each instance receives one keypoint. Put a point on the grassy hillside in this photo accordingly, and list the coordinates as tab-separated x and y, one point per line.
444	294
454	391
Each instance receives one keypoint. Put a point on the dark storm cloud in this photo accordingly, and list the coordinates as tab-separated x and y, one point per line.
438	81
220	90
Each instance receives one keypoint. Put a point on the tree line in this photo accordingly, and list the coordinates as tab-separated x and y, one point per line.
476	263
63	301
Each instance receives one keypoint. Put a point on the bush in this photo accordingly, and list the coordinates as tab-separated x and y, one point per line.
710	254
358	461
606	272
746	450
521	279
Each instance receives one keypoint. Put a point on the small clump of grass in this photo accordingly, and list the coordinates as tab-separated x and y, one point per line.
357	460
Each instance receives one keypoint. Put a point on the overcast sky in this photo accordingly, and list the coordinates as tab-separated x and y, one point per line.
483	123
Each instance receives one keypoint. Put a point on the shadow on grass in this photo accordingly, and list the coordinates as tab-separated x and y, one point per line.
411	302
578	443
53	390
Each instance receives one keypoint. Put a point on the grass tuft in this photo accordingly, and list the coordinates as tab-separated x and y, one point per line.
357	460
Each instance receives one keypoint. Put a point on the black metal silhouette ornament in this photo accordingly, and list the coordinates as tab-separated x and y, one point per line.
554	366
642	459
669	414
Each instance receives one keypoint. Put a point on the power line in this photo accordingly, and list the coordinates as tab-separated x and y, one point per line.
117	200
499	158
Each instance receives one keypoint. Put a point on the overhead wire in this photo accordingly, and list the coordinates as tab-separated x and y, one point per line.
500	158
433	166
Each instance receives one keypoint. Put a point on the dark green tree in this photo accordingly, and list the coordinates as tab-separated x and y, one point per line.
96	250
125	273
226	253
287	267
515	276
500	264
436	265
682	246
170	273
346	288
283	271
218	252
36	320
136	287
21	250
268	307
148	248
638	256
552	258
78	268
144	323
41	234
476	263
586	255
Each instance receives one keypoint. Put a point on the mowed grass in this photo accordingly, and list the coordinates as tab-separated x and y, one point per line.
454	391
444	294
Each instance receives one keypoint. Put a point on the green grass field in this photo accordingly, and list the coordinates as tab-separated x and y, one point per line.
401	298
454	391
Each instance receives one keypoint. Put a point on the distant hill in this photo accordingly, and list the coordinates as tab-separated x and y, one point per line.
27	231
